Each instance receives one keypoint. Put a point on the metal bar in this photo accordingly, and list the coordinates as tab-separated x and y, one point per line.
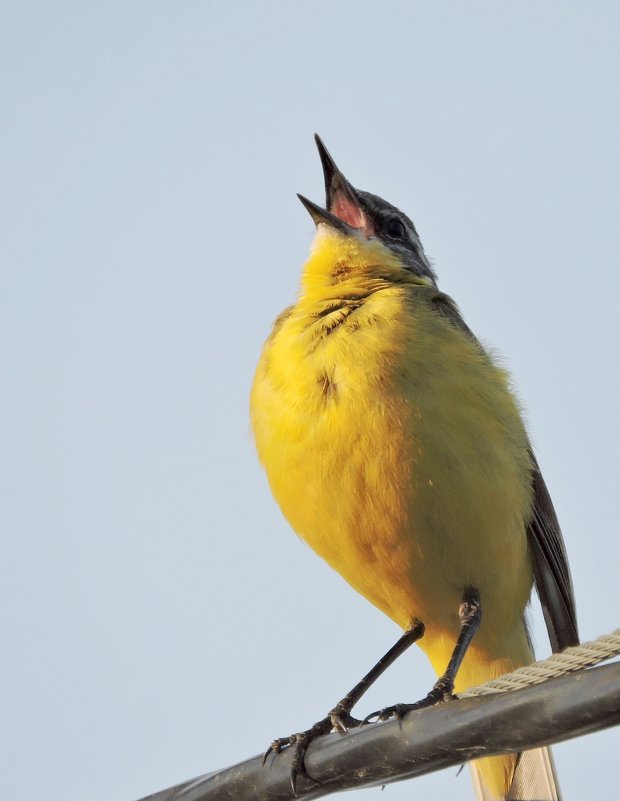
424	741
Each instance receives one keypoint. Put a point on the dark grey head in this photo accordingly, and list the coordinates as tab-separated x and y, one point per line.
369	214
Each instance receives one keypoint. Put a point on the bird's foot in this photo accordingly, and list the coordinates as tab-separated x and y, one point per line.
441	692
339	719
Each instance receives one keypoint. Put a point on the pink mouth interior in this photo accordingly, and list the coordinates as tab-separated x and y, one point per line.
348	211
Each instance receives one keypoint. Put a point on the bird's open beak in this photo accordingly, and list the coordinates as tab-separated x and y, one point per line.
344	211
340	197
320	215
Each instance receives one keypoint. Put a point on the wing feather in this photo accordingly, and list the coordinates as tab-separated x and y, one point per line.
551	571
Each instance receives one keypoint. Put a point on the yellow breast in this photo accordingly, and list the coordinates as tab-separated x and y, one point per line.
393	444
396	450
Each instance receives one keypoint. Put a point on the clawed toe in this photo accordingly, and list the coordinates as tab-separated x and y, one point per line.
396	711
338	719
276	746
440	693
342	721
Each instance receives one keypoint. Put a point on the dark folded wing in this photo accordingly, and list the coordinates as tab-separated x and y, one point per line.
551	571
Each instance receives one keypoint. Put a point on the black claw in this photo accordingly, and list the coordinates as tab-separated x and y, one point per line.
368	718
440	693
300	742
276	746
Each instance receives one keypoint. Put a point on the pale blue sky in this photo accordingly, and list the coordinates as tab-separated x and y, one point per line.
159	619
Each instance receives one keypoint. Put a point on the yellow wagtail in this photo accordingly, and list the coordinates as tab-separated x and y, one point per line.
396	449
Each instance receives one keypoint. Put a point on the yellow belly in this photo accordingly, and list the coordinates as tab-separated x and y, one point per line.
397	452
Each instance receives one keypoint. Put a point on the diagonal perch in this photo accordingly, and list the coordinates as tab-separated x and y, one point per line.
424	741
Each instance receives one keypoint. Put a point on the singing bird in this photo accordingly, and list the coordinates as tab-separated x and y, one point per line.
396	449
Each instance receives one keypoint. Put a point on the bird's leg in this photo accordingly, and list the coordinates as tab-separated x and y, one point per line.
340	718
470	616
346	704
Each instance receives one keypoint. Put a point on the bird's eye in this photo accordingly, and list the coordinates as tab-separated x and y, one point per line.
394	228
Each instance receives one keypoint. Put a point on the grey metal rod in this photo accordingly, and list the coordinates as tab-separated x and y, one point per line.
424	741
